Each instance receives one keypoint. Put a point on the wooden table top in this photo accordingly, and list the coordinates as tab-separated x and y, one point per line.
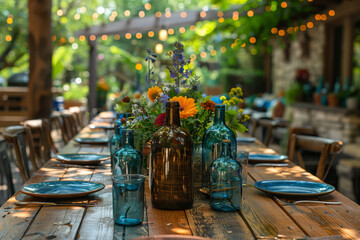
261	216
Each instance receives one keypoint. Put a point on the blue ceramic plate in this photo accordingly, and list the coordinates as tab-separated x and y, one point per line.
91	140
267	158
107	126
294	187
81	158
246	139
62	189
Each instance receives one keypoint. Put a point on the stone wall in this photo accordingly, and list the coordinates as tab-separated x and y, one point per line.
284	72
335	123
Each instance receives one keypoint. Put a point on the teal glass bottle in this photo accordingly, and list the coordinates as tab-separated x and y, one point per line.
211	144
225	181
115	140
127	160
171	163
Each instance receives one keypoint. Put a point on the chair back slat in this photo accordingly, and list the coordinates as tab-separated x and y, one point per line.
325	146
5	168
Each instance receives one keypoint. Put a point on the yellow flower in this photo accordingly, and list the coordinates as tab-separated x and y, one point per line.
241	110
222	98
226	102
231	94
232	102
153	93
246	117
233	90
187	106
239	91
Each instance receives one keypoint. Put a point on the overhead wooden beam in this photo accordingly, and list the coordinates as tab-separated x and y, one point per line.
153	23
40	46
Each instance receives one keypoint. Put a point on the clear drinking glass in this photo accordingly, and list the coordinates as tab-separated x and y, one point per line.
128	199
243	159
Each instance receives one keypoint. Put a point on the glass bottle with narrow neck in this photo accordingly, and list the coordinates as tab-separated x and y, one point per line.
115	140
212	140
225	181
127	160
171	163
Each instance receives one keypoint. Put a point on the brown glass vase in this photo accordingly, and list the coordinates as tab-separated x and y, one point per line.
171	164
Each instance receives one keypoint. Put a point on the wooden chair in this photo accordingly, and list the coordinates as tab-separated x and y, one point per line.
325	146
57	126
309	131
75	111
69	123
270	125
15	138
5	168
41	134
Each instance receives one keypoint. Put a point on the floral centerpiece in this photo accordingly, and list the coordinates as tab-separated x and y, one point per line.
196	109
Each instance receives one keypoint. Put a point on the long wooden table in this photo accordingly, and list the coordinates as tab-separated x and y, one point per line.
261	217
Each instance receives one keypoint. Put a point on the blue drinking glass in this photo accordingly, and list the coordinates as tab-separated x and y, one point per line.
128	199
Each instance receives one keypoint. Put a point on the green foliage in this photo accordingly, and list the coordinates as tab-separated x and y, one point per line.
293	93
62	57
76	92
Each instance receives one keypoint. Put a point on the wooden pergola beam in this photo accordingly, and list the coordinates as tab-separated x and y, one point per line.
153	23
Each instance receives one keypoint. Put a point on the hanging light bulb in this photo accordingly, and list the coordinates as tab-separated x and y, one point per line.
159	48
163	35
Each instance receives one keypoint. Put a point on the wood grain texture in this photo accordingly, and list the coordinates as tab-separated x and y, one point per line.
215	224
62	225
163	221
266	219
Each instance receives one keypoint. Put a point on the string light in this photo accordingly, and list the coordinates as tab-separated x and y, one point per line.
8	38
92	37
63	40
104	37
323	17
111	18
223	49
141	14
274	30
9	20
202	14
117	37
127	13
317	17
192	28
243	45
283	5
182	30
138	66
310	25
71	39
290	30
77	16
220	20
203	54
250	13
163	35
252	40
60	12
83	9
220	14
296	29
158	14
138	35
53	38
82	38
114	13
332	13
128	35
302	28
151	34
168	14
95	16
281	32
213	52
147	6
159	48
170	31
183	14
268	8
193	57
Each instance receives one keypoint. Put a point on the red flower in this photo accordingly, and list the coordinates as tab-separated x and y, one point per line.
159	121
123	120
126	99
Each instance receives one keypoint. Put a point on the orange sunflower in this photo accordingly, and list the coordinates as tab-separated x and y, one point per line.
187	106
208	105
153	93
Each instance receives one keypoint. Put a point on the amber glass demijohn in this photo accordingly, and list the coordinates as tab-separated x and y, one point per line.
171	163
